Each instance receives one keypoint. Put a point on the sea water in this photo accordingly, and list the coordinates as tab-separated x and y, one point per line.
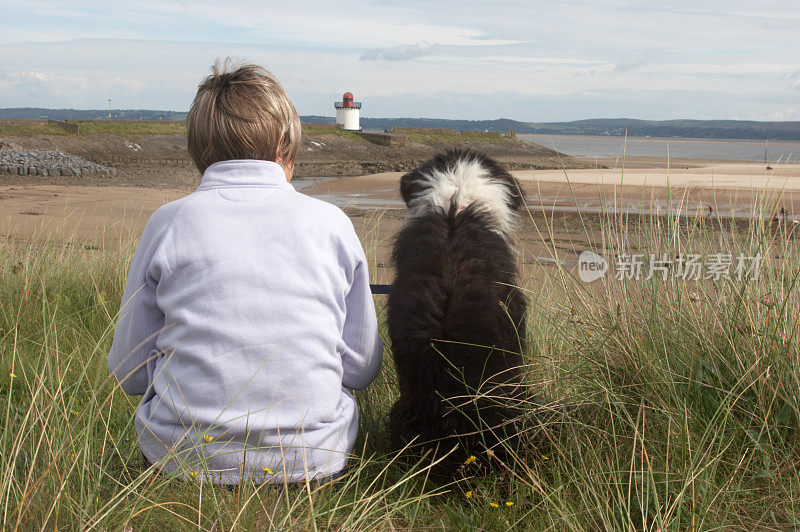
785	151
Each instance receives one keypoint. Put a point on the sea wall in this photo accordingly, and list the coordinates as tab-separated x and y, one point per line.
48	163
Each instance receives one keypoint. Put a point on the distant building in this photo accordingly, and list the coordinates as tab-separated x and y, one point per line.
347	112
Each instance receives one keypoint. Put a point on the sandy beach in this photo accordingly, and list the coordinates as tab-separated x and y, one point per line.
100	213
730	190
102	217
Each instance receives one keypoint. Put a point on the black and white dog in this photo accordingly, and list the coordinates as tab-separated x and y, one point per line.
456	316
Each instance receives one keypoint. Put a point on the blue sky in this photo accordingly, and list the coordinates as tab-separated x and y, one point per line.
521	59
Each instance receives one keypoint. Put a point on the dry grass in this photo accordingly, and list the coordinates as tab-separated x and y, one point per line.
675	405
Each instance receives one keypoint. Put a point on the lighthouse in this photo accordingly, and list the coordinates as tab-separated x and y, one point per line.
347	112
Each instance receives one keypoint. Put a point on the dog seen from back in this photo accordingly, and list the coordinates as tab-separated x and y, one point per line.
456	316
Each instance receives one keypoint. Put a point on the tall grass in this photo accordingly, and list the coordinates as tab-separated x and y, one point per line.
675	403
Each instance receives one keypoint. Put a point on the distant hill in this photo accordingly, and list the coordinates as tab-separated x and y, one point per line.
710	129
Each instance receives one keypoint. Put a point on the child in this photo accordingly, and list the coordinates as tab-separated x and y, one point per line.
248	309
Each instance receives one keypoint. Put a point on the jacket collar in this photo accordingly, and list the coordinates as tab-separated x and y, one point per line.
243	173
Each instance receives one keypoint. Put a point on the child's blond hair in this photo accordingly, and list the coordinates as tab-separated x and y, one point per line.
242	112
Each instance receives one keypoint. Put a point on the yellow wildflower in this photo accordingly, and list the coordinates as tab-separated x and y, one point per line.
468	494
193	474
12	376
73	412
469	460
208	439
494	505
490	453
545	457
267	470
509	503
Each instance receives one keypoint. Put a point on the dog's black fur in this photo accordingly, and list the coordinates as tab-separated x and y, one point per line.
456	321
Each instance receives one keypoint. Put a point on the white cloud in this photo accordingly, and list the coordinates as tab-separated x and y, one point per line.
152	53
33	88
630	64
734	69
401	52
538	60
794	79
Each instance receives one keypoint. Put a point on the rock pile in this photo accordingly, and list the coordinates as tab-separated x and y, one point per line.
6	145
18	161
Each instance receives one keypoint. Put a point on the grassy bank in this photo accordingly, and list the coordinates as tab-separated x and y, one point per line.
678	404
28	128
31	128
439	137
329	129
132	127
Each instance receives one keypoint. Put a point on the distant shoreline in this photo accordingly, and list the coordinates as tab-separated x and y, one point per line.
607	148
687	129
660	139
730	186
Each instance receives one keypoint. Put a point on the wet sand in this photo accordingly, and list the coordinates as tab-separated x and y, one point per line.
728	190
96	215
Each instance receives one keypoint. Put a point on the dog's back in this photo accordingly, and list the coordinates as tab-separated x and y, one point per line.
456	317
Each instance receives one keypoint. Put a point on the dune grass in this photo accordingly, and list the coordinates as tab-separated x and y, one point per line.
677	404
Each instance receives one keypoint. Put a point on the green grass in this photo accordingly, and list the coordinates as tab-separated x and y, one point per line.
317	129
133	127
436	137
681	400
30	128
19	128
427	137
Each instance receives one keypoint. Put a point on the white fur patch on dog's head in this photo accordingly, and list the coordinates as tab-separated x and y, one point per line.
466	182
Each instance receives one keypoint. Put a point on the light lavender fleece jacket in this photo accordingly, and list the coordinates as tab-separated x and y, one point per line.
246	314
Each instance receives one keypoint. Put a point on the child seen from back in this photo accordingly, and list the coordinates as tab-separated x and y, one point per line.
247	312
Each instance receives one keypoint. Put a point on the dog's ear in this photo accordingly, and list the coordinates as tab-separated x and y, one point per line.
411	185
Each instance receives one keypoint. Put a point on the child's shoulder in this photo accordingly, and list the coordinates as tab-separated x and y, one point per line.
323	209
163	215
292	208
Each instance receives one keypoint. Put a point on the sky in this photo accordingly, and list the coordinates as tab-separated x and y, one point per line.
527	60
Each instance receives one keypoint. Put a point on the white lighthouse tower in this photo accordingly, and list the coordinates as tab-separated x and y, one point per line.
347	112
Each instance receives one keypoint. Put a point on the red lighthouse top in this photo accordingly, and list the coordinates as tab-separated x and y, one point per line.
347	99
347	102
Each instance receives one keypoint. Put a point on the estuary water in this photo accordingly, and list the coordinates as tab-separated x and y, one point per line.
783	151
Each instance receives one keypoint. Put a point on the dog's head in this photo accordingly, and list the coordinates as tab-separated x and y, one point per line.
459	178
